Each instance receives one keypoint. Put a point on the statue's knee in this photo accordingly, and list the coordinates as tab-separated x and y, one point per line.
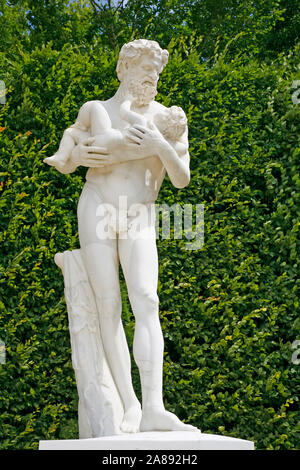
151	299
70	132
145	302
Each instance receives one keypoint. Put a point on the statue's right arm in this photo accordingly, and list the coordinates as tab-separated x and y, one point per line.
83	154
89	156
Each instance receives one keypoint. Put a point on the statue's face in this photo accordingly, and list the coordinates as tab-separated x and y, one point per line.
147	71
141	79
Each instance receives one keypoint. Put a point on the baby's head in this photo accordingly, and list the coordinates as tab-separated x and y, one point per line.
172	122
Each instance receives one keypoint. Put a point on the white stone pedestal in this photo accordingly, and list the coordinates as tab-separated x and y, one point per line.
173	440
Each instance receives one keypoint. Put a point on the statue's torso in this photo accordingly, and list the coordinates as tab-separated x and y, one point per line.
139	180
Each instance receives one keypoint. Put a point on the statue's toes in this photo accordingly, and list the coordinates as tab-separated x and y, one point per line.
50	160
129	428
189	427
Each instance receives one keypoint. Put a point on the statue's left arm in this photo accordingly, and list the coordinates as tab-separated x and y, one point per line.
177	167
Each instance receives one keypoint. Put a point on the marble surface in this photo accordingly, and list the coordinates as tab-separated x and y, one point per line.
172	440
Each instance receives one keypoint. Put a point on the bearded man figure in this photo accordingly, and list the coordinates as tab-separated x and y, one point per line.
133	169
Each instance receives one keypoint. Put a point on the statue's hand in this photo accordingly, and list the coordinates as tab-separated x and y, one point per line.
147	140
89	156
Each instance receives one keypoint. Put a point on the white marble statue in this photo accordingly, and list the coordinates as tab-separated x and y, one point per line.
128	143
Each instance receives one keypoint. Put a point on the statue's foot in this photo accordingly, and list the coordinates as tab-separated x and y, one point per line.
56	160
158	419
131	420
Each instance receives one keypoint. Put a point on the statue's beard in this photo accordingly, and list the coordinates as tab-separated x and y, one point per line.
143	93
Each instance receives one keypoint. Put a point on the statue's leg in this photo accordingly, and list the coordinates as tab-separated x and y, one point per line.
140	267
99	119
100	257
139	261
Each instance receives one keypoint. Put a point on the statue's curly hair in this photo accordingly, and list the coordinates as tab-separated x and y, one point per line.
131	52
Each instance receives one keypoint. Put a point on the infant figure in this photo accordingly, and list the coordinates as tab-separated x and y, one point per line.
94	121
171	122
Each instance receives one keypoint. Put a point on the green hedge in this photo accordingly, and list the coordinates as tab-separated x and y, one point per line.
228	311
